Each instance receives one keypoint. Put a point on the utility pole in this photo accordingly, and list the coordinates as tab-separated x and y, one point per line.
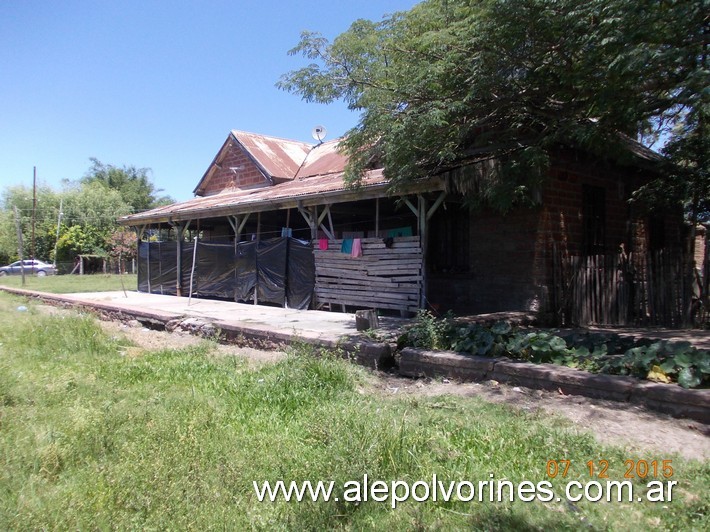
59	224
20	250
34	208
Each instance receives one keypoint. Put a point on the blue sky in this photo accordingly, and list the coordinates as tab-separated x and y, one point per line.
155	84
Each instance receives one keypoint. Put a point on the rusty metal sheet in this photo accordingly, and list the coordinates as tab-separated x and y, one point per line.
254	198
281	158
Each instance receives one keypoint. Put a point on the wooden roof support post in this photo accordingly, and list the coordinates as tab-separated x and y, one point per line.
309	216
412	208
326	212
139	234
424	217
377	217
181	228
423	242
330	223
424	214
238	224
420	211
233	221
180	231
436	205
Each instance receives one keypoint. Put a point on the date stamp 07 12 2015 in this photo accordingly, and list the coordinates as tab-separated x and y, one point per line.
656	474
640	469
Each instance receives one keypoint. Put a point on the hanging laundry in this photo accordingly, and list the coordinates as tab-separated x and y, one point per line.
286	231
323	244
357	248
347	246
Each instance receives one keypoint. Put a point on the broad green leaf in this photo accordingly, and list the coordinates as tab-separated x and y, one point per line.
689	378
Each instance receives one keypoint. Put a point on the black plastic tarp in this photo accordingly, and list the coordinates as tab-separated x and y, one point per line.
187	252
301	274
214	270
157	268
163	278
143	266
246	271
279	271
271	270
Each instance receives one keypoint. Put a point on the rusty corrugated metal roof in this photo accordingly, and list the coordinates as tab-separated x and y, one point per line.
256	199
305	174
323	159
280	158
290	159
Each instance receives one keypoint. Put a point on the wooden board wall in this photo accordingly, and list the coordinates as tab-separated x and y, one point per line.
382	278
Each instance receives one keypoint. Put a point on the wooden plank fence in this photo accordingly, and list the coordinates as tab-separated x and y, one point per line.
649	289
382	278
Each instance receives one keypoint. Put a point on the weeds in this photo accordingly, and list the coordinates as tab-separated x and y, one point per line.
92	439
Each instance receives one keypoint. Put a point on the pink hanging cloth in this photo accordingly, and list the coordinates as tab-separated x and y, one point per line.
323	244
357	248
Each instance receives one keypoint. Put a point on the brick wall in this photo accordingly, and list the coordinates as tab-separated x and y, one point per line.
510	256
247	175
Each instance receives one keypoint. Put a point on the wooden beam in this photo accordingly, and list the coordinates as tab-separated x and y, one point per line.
377	217
314	228
412	208
233	223
424	240
306	214
180	229
237	222
326	212
330	223
243	222
436	205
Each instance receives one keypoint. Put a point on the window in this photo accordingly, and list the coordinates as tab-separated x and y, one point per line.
593	220
449	239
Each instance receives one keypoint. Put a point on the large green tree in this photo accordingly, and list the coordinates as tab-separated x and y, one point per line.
493	85
132	183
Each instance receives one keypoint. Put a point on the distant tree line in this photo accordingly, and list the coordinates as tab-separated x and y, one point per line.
90	206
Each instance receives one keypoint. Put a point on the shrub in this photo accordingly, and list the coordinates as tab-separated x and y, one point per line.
428	332
662	361
607	353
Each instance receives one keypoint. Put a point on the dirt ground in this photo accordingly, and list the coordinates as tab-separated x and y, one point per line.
149	339
630	426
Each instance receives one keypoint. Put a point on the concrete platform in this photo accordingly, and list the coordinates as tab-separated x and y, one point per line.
311	324
233	320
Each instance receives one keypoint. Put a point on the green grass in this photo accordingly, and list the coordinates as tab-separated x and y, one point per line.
95	434
65	284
